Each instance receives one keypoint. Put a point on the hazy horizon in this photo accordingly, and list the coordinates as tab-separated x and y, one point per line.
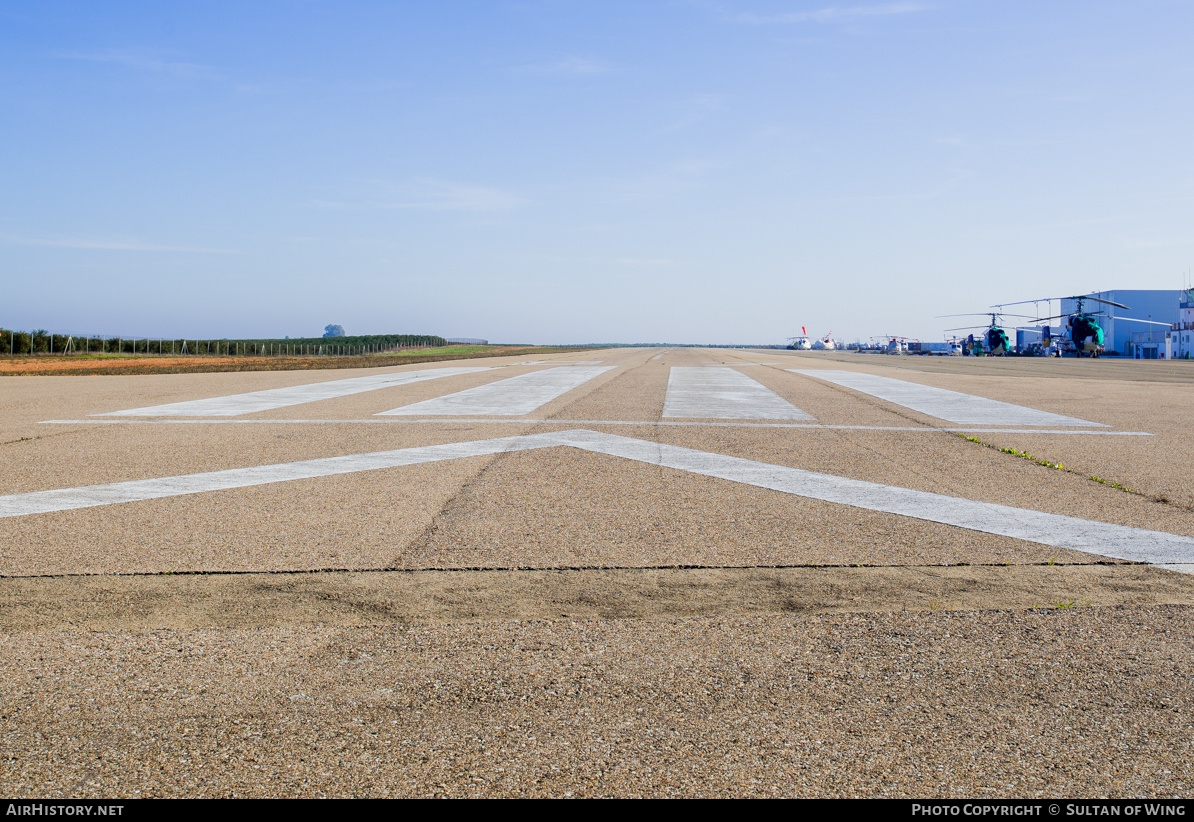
552	172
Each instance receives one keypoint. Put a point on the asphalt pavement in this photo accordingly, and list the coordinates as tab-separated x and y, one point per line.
619	572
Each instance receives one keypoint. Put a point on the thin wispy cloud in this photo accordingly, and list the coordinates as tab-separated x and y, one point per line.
142	62
440	195
107	244
641	261
571	67
835	14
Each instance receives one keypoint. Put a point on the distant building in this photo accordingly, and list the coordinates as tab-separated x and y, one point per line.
466	341
1029	335
1157	305
1150	345
1182	333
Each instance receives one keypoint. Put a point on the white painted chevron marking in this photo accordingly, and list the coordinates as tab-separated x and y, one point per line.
1105	539
724	394
515	396
254	401
40	502
951	406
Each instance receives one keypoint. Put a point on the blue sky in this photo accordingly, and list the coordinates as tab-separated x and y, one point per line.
562	171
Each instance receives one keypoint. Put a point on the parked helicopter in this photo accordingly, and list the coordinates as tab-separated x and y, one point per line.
998	344
825	343
1083	335
892	343
801	343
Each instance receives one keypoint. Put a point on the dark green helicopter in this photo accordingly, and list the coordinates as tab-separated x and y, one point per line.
998	344
1083	335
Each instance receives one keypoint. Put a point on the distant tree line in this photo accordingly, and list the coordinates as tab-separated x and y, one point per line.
41	341
380	341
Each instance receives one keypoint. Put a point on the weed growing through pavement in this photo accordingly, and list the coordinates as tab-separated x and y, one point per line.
22	439
1031	458
1057	466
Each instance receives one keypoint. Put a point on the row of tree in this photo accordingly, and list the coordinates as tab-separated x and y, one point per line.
43	342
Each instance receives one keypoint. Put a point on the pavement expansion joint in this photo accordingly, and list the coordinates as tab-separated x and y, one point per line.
472	569
1057	465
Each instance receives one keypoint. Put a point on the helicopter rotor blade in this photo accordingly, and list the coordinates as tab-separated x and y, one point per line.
1100	300
1134	320
984	314
999	310
1074	297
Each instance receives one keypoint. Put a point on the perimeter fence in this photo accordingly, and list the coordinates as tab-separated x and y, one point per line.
42	342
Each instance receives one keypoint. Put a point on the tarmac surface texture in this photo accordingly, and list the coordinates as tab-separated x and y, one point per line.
543	577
